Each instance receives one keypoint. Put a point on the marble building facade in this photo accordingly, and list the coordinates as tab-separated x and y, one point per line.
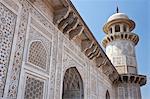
48	52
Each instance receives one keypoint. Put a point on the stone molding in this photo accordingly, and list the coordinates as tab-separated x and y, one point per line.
120	36
129	22
132	78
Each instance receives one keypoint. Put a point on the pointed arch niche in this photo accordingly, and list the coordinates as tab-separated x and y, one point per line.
107	95
72	85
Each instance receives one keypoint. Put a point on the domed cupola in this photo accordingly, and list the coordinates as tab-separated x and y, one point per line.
119	26
120	20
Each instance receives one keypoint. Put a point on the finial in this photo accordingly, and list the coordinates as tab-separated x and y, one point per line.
117	10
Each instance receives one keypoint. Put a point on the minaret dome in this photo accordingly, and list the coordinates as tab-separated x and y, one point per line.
118	18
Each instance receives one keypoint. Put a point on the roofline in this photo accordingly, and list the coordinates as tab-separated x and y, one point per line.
71	4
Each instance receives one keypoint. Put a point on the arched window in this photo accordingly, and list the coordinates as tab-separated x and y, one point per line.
37	54
124	28
117	28
72	85
107	95
110	30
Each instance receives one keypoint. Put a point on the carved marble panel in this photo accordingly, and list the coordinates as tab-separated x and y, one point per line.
131	61
7	29
68	62
73	47
120	48
43	7
93	85
72	54
37	54
39	49
121	93
18	54
130	91
34	88
14	5
72	84
119	60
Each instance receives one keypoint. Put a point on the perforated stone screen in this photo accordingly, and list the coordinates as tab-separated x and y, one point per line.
7	27
34	88
37	54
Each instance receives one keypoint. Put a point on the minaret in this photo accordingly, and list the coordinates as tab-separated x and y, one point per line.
120	44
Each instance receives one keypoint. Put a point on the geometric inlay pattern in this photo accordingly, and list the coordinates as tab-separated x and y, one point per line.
7	28
38	54
72	80
119	60
121	92
34	88
72	85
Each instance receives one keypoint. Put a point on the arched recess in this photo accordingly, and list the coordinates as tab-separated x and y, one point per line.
72	85
107	95
37	54
117	28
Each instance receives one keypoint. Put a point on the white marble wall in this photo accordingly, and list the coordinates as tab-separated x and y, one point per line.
128	91
25	79
122	55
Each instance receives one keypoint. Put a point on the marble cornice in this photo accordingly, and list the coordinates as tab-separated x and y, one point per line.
132	78
120	36
129	22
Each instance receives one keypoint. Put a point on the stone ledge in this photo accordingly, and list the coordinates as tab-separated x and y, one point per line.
120	36
132	78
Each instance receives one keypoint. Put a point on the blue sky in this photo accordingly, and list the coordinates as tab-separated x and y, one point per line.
96	12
